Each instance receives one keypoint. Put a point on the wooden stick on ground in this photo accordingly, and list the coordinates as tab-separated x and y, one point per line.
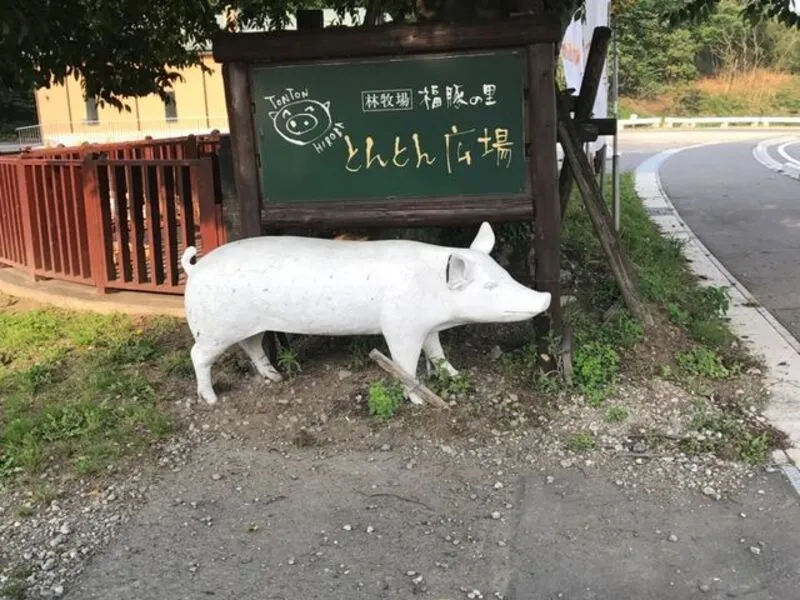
393	369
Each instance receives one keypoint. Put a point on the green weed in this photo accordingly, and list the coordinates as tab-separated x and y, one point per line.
444	384
582	442
288	363
616	414
702	362
384	398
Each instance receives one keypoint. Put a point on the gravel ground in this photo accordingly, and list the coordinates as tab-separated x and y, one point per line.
469	460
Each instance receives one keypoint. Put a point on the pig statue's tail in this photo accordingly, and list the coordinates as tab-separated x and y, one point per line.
186	259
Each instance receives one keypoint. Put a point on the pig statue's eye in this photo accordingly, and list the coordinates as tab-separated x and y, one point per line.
490	285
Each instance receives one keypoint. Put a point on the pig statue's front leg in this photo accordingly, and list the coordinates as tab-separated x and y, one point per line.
252	346
405	347
435	353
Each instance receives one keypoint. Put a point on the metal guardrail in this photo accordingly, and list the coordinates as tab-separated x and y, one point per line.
693	122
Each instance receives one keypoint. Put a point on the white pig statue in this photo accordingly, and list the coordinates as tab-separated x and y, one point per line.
406	290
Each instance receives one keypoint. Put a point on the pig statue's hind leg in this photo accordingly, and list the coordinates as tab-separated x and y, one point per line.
405	348
252	346
203	359
433	350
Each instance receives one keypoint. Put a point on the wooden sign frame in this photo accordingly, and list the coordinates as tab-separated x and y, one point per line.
535	35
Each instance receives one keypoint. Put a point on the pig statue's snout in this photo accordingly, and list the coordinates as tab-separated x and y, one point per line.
542	302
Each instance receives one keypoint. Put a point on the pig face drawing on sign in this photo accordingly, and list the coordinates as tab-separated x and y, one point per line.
303	121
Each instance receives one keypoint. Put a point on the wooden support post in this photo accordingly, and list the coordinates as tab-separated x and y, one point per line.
96	225
585	102
623	269
244	150
544	174
409	380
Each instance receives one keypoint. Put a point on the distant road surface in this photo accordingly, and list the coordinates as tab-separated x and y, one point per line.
746	214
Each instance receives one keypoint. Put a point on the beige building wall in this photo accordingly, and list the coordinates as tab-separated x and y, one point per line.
199	103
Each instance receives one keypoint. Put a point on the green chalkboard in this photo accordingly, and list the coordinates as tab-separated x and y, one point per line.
431	126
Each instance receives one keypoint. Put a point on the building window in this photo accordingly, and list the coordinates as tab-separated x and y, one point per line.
170	107
91	111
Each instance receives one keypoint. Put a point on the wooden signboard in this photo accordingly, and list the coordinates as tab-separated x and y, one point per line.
422	127
393	124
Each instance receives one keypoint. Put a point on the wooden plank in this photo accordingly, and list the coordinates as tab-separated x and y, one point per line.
103	202
188	195
384	40
544	175
623	270
28	214
133	177
116	177
82	236
62	233
93	198
46	234
387	213
203	197
244	147
7	244
408	379
154	238
166	198
590	83
68	203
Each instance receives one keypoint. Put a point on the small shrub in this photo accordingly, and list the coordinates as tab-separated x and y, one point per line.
753	449
702	362
288	363
582	442
442	383
596	366
616	414
384	399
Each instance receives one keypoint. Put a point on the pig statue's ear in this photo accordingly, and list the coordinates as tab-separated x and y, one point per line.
484	241
458	274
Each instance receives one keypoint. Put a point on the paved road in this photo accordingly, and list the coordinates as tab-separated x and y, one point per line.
748	216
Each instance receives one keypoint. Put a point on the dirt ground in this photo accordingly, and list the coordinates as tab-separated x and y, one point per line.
294	490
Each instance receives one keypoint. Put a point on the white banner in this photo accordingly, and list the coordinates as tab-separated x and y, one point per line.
575	50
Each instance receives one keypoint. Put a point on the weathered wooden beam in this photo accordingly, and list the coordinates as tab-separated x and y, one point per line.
584	102
244	149
384	40
621	266
543	167
409	380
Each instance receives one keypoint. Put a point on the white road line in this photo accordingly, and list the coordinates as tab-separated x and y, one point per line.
790	166
750	321
788	157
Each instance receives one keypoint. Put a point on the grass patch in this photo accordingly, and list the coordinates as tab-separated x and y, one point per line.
288	362
384	398
581	442
80	388
664	277
616	414
702	362
444	384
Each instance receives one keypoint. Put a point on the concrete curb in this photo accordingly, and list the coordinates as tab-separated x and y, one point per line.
789	167
757	328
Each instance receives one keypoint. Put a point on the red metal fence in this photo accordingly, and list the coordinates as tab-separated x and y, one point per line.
116	217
